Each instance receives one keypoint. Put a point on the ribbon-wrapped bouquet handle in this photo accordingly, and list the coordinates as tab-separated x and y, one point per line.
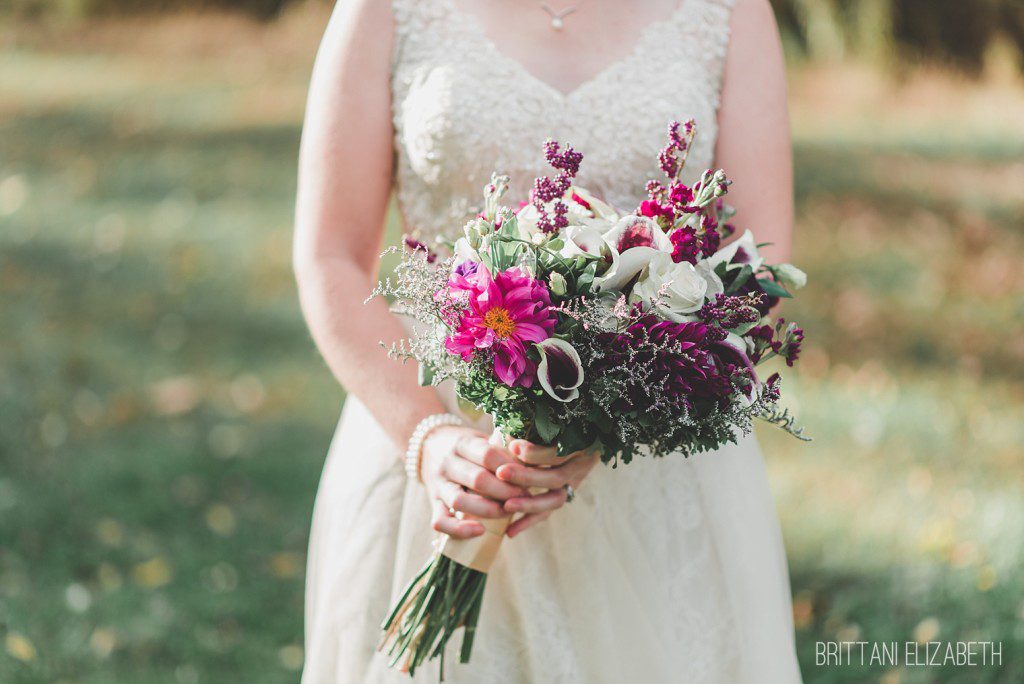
445	595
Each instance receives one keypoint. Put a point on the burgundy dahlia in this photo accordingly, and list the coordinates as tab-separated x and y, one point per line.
678	361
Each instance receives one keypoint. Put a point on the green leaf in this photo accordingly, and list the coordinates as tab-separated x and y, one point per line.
744	328
773	289
741	278
573	439
545	425
510	227
586	279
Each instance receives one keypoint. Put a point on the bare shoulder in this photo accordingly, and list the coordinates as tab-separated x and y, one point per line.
369	14
751	18
363	22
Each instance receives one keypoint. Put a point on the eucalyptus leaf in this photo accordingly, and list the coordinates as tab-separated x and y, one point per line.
545	425
773	289
743	328
741	279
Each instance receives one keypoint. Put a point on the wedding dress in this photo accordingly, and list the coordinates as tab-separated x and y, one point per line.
668	570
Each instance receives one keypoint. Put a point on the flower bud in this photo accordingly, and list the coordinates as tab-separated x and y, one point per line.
557	283
475	229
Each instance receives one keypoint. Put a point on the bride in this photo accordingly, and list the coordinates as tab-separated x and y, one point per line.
662	571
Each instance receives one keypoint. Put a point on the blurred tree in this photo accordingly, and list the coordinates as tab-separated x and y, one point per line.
953	33
266	9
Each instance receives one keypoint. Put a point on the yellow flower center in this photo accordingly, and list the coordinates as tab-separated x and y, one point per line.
498	320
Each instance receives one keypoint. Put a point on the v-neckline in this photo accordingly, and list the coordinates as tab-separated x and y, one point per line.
472	25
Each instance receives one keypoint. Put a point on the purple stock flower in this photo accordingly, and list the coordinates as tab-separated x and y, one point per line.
730	312
678	145
662	213
415	245
467	268
784	340
686	246
681	195
546	190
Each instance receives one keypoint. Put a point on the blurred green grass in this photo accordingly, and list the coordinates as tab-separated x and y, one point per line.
164	415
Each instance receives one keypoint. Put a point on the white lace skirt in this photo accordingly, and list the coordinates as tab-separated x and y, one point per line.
665	570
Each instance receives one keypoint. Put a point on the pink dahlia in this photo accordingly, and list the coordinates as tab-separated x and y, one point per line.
505	313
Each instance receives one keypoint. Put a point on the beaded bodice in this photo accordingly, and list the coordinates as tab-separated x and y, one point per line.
462	110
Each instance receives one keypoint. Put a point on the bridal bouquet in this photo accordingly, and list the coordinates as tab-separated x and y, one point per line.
577	325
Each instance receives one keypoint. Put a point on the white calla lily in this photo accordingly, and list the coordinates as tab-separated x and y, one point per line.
738	253
626	264
560	371
599	208
584	240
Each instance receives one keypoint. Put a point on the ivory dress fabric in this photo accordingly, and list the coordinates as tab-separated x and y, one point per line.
667	570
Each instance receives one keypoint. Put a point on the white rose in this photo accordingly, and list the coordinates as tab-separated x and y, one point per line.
674	290
742	251
707	272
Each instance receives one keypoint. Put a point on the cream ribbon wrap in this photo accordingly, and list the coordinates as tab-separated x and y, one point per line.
479	553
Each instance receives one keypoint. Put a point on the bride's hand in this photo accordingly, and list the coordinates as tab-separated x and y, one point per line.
565	470
457	468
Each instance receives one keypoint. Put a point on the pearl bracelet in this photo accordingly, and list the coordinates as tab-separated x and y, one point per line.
424	428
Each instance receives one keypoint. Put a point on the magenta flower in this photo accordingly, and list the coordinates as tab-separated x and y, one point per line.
686	245
664	214
504	314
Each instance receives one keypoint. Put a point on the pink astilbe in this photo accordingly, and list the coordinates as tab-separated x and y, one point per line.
503	315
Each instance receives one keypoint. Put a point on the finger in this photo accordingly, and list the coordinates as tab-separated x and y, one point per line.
546	478
444	521
458	498
478	450
479	479
526	522
548	501
529	476
535	454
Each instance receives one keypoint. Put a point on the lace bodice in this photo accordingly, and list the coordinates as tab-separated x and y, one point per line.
463	109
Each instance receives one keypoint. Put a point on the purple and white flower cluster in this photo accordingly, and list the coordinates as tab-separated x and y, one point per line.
577	324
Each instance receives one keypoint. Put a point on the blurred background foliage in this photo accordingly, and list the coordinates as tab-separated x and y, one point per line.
164	415
955	33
